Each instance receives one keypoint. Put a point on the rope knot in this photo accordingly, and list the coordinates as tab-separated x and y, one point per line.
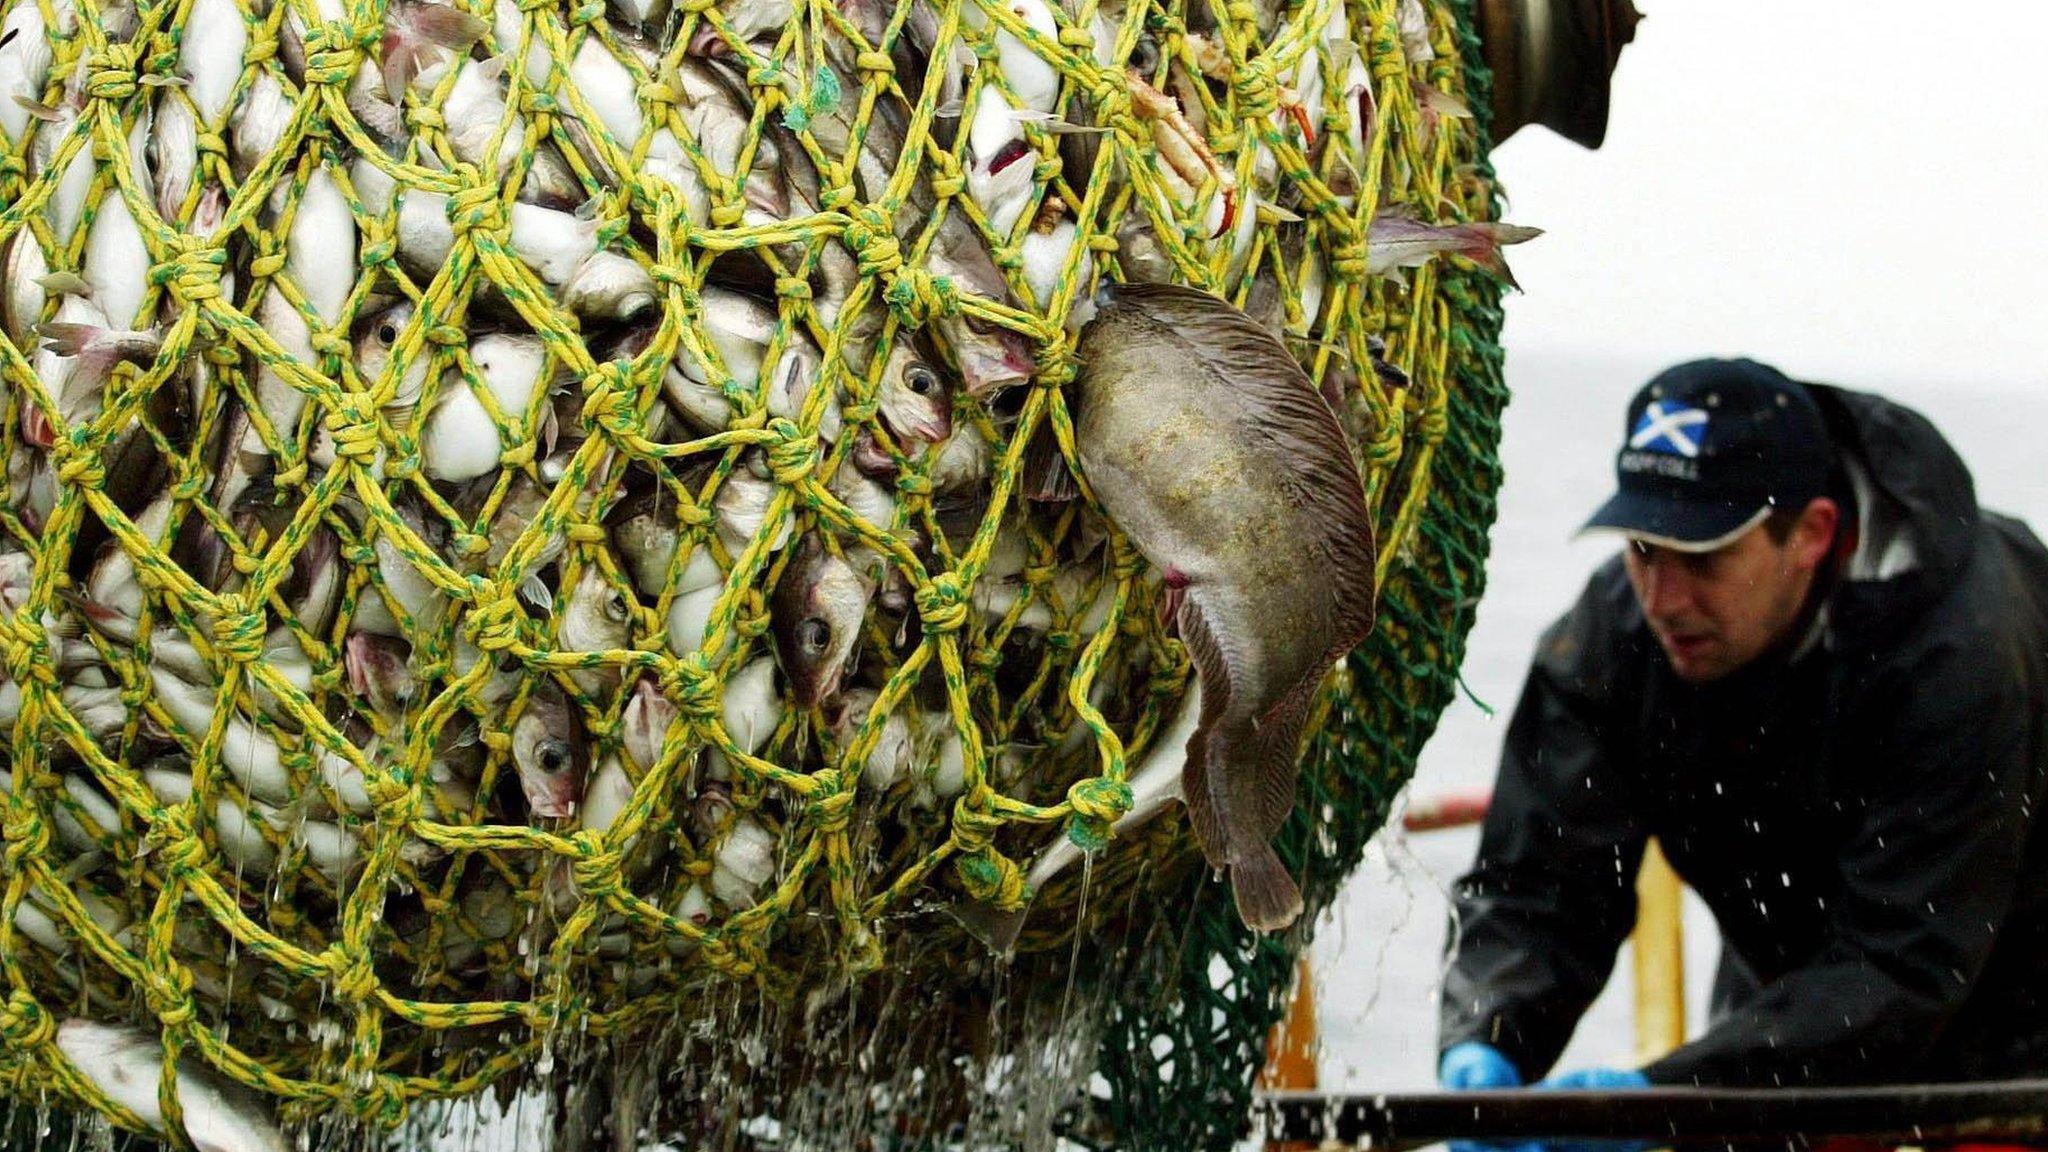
608	401
355	979
942	603
831	809
595	872
23	1023
475	208
193	274
110	72
1258	94
494	621
28	837
238	636
334	53
169	996
793	454
918	297
691	685
1054	361
28	650
1098	803
377	1100
872	241
986	875
1350	262
78	464
353	429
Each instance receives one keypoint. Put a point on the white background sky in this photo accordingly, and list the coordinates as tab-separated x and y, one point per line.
1857	187
1854	191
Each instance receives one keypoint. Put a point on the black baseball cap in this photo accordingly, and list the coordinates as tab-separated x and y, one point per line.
1711	448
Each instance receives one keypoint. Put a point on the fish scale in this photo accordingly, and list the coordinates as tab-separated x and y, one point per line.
596	424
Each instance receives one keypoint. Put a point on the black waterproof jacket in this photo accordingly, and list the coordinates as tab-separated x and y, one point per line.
1857	811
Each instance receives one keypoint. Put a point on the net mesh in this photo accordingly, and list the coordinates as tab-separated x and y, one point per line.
353	906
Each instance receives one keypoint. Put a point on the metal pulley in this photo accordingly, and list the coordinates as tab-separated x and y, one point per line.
1552	63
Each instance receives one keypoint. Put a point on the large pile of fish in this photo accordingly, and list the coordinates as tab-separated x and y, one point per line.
522	498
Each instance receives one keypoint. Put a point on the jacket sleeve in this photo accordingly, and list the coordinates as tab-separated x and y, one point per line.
1928	876
1536	923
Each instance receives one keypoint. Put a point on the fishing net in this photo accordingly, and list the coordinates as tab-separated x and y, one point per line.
353	906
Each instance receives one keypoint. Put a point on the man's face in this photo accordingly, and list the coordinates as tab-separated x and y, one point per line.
1714	612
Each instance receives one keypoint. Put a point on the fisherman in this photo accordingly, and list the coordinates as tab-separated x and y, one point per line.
1818	675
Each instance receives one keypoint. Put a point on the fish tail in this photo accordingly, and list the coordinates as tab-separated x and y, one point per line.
1481	241
1267	898
95	349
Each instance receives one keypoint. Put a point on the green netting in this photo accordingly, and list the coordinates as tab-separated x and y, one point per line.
349	903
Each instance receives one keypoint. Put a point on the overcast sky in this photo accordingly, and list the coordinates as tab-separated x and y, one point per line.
1855	190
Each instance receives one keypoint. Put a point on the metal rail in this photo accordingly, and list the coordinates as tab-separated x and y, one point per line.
2008	1111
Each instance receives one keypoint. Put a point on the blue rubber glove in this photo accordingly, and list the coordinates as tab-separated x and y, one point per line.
1473	1066
1598	1080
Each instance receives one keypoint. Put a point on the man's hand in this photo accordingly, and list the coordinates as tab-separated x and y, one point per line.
1473	1066
1597	1080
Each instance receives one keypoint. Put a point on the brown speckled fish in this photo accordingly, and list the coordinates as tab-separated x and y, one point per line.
1214	453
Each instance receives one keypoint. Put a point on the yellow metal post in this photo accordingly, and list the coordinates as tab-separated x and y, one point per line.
1291	1048
1660	957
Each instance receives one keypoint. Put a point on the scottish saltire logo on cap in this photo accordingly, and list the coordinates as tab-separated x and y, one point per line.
1672	428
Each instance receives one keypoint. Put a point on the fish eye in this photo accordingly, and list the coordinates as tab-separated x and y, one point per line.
387	333
554	757
615	607
814	634
1145	54
921	380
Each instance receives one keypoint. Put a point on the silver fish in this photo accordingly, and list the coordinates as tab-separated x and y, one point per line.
22	294
644	724
173	152
211	48
1213	452
549	753
596	618
56	125
816	613
459	441
474	110
259	122
25	57
379	673
126	1063
319	260
896	748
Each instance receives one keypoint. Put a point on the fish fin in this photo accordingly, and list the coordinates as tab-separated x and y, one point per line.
492	68
1267	898
1047	476
950	110
446	26
1212	670
1441	103
65	284
997	930
39	110
537	593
